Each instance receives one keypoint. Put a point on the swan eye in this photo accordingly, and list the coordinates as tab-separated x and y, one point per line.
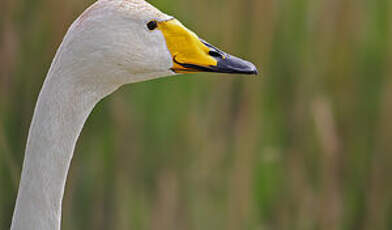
152	25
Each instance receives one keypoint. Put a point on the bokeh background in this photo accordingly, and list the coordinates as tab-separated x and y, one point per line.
306	145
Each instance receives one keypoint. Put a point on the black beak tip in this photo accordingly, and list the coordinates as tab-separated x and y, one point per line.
229	64
254	70
235	65
249	72
249	69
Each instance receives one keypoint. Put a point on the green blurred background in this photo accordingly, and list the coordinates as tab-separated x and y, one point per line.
306	145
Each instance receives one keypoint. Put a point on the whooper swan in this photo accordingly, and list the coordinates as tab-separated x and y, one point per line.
113	43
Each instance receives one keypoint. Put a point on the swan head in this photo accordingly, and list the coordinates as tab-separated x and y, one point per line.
126	41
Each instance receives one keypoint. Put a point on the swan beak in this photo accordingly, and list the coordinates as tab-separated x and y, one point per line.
191	54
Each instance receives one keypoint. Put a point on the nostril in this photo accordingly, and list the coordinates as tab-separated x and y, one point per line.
215	54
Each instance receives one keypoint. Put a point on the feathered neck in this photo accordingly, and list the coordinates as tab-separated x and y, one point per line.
63	106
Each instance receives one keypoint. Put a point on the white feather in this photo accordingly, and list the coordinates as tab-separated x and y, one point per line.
105	48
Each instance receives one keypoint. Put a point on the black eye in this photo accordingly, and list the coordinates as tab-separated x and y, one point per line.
152	25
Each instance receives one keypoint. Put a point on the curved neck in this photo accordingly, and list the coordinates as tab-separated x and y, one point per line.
63	107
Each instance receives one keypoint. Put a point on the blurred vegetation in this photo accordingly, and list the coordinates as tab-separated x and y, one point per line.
308	145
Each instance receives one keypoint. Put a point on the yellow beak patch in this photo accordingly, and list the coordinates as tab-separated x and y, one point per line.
185	47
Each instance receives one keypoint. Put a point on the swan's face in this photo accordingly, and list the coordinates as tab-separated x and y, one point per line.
136	42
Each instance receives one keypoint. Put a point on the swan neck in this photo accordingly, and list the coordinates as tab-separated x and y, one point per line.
63	107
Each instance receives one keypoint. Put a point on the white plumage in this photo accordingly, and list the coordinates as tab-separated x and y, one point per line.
108	46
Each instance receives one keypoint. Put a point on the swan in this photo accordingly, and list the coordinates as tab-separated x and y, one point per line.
113	43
